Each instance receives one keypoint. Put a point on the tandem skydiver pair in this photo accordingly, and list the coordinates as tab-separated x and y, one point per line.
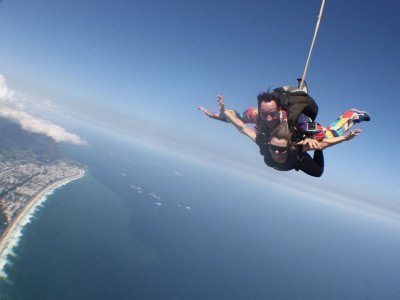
285	128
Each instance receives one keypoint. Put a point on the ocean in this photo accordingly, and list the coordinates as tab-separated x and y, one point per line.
148	223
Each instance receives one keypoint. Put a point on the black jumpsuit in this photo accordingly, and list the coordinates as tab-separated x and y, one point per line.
297	160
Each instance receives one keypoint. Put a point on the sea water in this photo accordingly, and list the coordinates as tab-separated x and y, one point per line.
15	234
146	224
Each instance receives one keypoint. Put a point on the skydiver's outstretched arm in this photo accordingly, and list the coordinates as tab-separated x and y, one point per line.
336	140
311	144
249	132
208	113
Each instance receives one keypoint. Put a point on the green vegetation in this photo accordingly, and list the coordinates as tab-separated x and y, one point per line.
18	144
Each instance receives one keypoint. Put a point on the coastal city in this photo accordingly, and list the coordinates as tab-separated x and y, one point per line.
21	181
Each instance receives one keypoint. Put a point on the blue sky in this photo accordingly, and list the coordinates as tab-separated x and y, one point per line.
142	67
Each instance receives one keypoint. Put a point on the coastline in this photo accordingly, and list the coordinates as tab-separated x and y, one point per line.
10	237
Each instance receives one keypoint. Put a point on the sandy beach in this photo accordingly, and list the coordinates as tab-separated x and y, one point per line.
10	236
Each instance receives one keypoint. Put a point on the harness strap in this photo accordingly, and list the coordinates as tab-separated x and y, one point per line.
312	45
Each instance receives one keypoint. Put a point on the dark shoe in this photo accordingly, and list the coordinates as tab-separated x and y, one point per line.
363	115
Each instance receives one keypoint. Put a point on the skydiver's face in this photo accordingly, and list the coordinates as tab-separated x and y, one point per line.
278	149
269	113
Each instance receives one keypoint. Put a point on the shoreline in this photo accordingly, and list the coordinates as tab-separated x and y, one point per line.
10	237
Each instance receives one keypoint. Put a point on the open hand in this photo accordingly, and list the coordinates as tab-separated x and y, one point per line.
312	143
352	134
202	109
221	104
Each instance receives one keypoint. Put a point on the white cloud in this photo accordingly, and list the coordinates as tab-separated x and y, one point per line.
47	103
12	107
5	93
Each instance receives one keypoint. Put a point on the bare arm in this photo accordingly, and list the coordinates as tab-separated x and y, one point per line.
249	132
310	144
333	141
208	113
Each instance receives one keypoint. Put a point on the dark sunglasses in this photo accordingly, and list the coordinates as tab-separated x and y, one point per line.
265	114
279	149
